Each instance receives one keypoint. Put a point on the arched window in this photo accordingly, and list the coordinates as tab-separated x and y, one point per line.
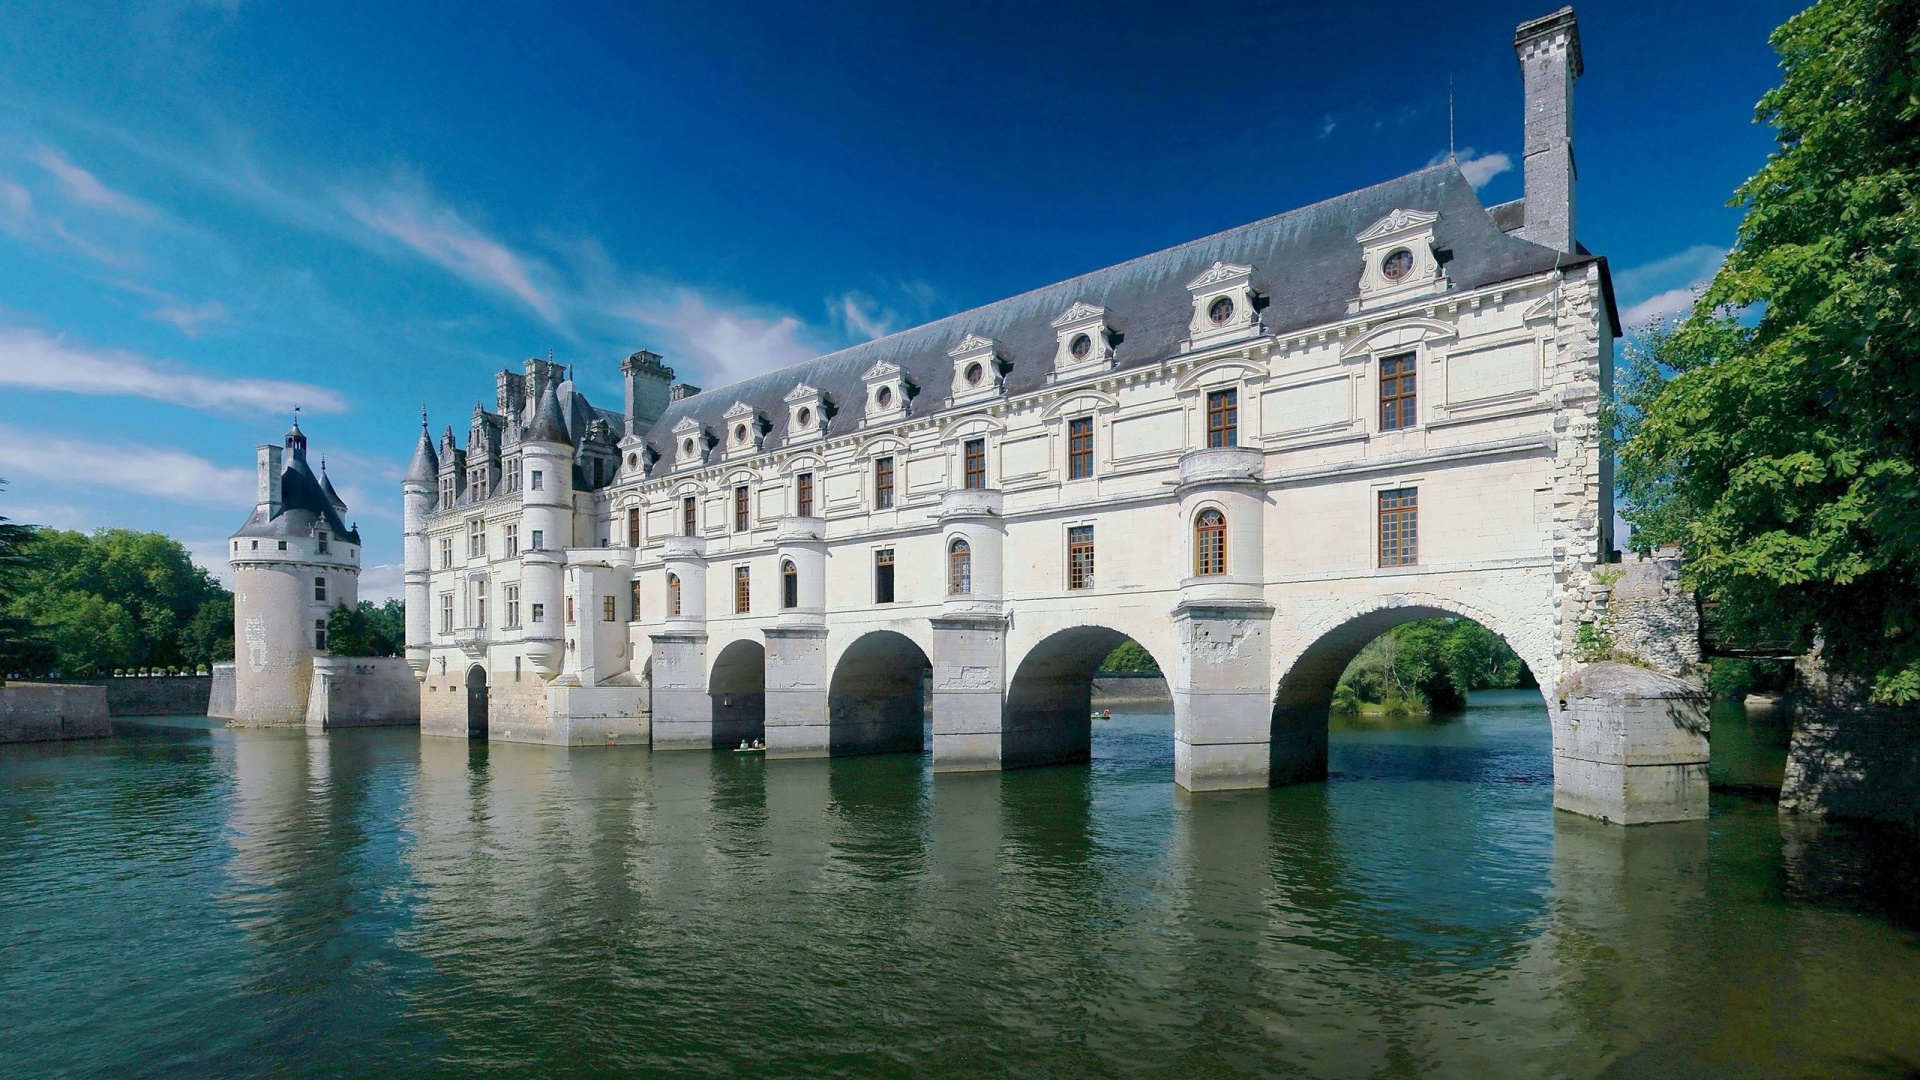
673	594
1210	543
789	584
959	569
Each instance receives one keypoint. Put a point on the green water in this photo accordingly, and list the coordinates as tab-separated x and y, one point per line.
184	900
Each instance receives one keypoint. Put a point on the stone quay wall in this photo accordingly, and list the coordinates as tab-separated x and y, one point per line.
221	698
362	691
45	712
1131	690
152	695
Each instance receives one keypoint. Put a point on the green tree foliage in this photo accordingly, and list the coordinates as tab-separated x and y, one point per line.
120	599
1129	656
1777	439
1429	665
368	629
21	648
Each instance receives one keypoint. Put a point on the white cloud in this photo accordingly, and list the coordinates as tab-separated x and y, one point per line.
52	515
1328	126
1660	308
863	315
86	189
210	554
384	582
1659	291
37	361
445	238
726	345
1478	168
140	469
188	318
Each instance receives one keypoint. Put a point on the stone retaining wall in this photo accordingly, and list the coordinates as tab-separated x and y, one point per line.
1861	763
362	691
152	695
44	712
1111	690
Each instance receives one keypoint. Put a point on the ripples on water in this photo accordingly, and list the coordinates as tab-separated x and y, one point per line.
187	901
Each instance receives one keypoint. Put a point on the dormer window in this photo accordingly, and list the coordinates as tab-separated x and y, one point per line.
1085	340
807	411
889	394
692	440
1223	306
1398	260
804	416
1397	265
744	428
978	371
1220	311
883	397
1080	346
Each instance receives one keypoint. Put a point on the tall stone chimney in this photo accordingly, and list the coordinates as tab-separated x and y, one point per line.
647	380
1549	51
267	491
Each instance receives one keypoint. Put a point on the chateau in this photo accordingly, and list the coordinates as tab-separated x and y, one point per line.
1251	453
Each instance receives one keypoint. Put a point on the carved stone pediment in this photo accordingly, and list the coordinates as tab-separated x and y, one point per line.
1217	273
1080	312
1396	222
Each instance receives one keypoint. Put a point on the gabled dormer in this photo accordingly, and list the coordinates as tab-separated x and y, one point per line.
978	371
746	430
1398	260
1223	306
807	413
889	394
691	440
1085	341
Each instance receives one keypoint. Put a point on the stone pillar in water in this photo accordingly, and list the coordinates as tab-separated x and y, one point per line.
969	691
798	725
1629	746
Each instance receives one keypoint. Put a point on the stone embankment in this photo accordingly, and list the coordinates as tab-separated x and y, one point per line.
1131	691
45	712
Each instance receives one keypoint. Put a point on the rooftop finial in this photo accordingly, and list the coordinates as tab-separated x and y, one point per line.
423	417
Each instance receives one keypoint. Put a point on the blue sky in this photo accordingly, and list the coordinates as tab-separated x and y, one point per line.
212	212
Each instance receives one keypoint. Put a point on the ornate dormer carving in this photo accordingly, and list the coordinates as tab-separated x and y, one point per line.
1085	341
1398	261
978	371
889	394
808	411
746	430
1224	305
691	440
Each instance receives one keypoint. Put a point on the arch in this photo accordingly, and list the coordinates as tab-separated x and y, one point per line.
1049	709
477	702
1209	542
789	584
959	567
1220	374
673	594
876	702
1305	692
1079	400
1415	330
737	688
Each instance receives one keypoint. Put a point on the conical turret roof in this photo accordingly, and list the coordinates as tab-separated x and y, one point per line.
549	425
426	463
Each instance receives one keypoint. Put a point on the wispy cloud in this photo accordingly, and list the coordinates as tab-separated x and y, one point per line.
727	345
189	318
140	469
1328	126
38	361
1659	291
443	237
386	581
1478	168
84	188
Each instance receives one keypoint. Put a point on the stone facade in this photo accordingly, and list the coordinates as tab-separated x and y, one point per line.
1218	451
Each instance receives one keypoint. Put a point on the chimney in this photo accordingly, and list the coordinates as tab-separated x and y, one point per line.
647	382
267	498
681	391
1549	52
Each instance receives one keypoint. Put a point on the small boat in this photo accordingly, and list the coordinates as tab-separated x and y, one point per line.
749	749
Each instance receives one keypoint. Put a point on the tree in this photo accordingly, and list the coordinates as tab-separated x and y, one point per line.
1429	665
120	599
22	649
1129	656
1785	435
368	630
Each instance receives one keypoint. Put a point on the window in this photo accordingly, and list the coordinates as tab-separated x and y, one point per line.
1209	543
480	606
1399	527
1080	557
446	613
1396	392
538	541
537	481
539	613
633	600
673	594
319	633
883	483
256	546
803	495
510	532
446	491
323	543
1223	418
789	584
513	605
689	516
959	568
740	500
446	552
633	526
883	576
976	464
569	611
320	589
1080	448
476	539
511	473
607	612
742	590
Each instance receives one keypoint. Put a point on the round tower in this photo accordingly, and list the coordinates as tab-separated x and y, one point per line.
293	562
416	501
546	524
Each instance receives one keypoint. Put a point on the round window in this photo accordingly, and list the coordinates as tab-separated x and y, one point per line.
633	460
1080	346
1220	310
1397	265
687	447
974	374
884	398
739	433
805	417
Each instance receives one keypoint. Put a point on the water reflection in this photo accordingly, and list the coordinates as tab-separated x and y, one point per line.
375	903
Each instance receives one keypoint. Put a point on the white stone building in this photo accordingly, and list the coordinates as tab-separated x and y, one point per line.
1251	453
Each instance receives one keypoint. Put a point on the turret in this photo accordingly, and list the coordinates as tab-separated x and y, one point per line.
416	501
546	523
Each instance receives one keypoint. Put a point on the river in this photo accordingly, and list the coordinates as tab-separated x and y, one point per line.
184	900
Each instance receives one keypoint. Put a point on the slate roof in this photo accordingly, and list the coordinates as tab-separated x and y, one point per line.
304	506
1306	264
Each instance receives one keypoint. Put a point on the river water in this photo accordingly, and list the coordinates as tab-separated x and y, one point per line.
183	900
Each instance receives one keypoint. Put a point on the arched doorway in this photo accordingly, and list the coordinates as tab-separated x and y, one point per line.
1049	711
1303	704
476	702
877	701
738	689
